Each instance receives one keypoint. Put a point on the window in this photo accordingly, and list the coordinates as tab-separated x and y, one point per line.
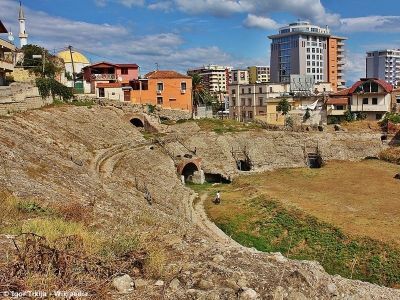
233	101
242	91
398	100
365	100
159	100
249	89
340	107
249	102
101	93
172	99
183	86
260	100
270	89
124	71
233	91
260	90
374	101
160	86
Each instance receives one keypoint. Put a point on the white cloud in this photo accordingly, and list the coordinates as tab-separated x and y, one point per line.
305	9
130	3
164	6
260	22
354	68
114	43
370	24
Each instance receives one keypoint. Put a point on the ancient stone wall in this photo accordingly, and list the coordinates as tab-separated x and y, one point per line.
19	97
268	150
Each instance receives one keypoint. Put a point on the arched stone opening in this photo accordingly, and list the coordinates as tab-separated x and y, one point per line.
137	122
314	161
243	165
188	171
215	178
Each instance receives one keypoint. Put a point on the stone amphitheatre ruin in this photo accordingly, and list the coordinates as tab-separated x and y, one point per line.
99	155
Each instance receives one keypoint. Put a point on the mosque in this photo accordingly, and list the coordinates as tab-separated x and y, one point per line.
74	62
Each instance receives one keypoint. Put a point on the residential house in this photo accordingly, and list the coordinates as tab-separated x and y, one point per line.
259	101
167	89
372	97
369	96
7	60
105	72
250	101
336	106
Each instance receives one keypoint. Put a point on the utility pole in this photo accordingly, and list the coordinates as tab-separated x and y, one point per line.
43	61
72	62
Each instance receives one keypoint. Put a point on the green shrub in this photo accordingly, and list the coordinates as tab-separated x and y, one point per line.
50	87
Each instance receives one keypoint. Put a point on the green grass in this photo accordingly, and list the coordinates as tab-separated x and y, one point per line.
301	236
222	126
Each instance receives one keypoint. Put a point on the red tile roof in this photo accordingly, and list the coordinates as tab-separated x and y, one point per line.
165	75
388	88
344	92
127	66
113	65
338	101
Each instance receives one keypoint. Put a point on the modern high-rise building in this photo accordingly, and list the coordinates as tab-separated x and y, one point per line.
385	65
215	78
258	74
305	49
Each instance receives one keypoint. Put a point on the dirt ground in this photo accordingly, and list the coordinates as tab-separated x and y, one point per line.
361	198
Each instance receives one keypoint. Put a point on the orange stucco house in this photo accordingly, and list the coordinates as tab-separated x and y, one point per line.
168	89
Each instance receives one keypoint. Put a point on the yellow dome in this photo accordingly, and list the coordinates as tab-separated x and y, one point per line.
78	57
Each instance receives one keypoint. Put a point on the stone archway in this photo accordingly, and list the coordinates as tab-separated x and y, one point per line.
191	171
137	122
188	171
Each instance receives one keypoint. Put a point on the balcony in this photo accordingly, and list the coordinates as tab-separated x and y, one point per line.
104	77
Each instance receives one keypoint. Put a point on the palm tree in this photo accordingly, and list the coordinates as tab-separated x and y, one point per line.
198	90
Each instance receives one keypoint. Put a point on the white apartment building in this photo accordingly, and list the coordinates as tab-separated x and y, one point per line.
215	77
385	65
258	74
239	77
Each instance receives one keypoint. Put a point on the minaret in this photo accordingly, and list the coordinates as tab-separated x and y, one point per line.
23	36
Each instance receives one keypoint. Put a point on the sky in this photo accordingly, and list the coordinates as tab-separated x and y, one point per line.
183	34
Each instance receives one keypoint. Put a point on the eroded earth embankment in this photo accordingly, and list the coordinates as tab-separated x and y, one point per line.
95	156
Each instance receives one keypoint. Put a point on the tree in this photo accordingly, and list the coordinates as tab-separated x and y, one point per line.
52	64
283	106
200	95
